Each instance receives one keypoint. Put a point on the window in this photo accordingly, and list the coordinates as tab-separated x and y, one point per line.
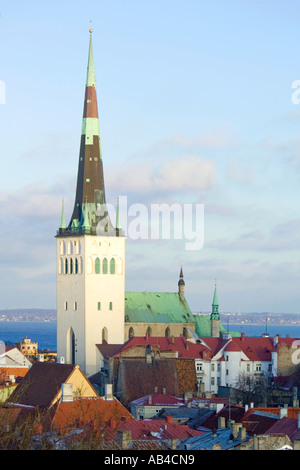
76	266
71	266
212	382
75	305
112	266
104	266
248	367
66	266
258	368
97	266
212	367
99	305
110	305
66	306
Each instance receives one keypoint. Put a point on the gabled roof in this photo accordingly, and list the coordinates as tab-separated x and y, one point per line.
87	410
157	307
153	429
258	422
285	425
41	384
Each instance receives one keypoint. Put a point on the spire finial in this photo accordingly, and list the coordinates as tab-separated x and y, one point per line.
91	29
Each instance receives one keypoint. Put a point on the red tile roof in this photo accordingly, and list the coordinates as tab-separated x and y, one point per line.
87	410
255	348
285	425
150	429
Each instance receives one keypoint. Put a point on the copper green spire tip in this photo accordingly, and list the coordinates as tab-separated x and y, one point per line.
62	220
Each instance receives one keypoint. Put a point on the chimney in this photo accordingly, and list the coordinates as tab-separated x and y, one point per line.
41	357
66	392
172	339
169	419
283	412
243	336
174	444
242	433
155	389
124	438
164	391
246	408
108	392
150	400
221	422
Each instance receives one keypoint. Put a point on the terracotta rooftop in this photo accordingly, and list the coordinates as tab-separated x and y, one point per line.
87	410
152	429
255	348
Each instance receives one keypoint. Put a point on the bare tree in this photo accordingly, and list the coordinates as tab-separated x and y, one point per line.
250	388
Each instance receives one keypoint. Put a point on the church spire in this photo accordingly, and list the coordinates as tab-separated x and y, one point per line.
215	306
181	284
90	201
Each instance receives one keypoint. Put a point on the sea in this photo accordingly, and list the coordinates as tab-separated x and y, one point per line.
44	333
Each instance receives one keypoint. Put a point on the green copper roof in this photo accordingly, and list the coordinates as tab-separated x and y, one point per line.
215	299
90	76
154	307
62	221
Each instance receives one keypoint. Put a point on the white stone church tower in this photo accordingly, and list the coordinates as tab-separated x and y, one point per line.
90	254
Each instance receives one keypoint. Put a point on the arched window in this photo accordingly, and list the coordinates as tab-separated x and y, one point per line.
167	332
99	305
131	333
97	266
112	266
66	266
71	266
110	305
149	331
76	266
104	266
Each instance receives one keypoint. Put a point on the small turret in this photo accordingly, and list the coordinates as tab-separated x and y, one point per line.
181	284
215	317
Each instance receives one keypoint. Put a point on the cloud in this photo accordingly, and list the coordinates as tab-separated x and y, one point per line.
186	173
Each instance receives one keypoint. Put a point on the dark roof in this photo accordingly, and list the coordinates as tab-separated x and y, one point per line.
258	422
41	384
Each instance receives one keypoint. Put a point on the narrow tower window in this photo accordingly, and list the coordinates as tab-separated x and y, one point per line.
104	266
97	266
112	266
99	305
110	305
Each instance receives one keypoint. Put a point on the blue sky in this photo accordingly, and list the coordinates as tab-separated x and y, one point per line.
195	104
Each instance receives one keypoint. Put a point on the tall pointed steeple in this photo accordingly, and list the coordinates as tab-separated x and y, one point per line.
90	199
215	306
181	284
